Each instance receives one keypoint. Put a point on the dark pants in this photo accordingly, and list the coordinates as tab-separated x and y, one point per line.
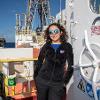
49	91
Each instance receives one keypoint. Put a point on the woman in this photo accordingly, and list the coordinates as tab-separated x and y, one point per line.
49	75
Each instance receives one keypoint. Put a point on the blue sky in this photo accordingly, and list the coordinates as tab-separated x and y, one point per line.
8	10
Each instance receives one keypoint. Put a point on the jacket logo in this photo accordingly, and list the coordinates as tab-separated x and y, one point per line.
62	51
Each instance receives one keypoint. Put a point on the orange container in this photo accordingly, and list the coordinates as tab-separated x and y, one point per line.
18	88
22	91
36	53
11	90
25	87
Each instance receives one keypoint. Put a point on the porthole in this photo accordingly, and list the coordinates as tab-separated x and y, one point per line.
95	6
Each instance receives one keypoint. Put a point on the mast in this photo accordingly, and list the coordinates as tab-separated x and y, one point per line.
60	11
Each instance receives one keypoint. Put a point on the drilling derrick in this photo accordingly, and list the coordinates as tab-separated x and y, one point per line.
40	8
44	12
24	21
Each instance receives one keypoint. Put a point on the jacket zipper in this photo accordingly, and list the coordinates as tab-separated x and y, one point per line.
53	69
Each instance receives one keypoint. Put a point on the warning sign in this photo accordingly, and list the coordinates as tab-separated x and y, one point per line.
81	85
89	90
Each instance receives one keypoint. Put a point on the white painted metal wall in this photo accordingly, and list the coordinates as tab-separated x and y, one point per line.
80	18
16	53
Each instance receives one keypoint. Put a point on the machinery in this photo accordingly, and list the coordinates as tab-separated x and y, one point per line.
2	42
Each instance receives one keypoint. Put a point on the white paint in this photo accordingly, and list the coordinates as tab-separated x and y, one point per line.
16	53
80	18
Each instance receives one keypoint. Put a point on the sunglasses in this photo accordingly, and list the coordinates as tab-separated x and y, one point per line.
56	31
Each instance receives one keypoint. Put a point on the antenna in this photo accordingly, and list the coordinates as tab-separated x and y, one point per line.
60	11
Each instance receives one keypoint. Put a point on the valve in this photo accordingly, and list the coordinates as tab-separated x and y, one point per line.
93	66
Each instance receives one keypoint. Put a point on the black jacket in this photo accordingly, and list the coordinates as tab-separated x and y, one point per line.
50	64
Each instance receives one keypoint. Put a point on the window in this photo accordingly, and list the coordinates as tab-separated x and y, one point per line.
95	6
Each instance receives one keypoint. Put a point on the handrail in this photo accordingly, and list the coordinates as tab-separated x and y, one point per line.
17	60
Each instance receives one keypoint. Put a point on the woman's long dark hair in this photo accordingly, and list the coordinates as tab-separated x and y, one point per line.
63	37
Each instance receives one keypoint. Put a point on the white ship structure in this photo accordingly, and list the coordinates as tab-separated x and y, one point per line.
17	64
83	25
